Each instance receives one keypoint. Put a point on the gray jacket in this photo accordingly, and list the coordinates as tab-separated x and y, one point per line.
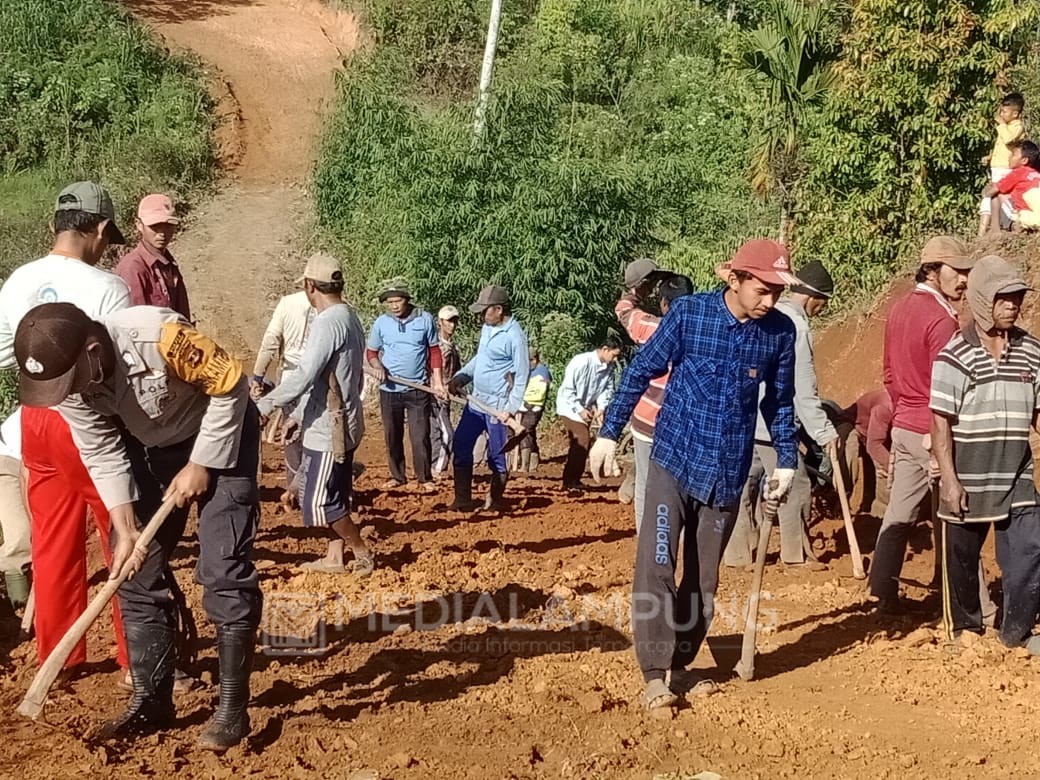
170	383
807	405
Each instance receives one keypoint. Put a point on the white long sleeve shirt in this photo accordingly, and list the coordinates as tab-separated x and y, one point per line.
588	382
287	332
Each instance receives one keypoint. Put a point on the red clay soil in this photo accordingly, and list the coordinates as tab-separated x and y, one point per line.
499	647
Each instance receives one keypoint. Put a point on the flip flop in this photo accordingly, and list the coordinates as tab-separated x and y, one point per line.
362	566
323	566
658	696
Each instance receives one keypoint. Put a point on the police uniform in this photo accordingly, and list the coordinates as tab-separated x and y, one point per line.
175	396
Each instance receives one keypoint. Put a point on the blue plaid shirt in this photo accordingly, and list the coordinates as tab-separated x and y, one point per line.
705	430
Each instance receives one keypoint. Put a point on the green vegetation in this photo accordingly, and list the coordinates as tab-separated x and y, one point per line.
896	150
615	130
88	94
627	127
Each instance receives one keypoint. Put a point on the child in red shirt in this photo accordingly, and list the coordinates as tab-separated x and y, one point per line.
1020	196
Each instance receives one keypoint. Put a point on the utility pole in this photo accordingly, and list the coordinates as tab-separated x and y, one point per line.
485	70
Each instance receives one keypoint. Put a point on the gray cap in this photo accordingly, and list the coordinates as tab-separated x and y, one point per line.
93	199
637	271
395	290
492	295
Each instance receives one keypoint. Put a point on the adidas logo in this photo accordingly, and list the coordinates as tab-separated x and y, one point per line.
781	263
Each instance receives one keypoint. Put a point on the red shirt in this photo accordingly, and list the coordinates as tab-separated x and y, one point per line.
873	414
918	327
154	280
1018	183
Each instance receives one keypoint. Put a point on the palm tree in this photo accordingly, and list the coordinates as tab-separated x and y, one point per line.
792	50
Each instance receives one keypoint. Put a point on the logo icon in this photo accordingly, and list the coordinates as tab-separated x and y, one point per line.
33	366
781	263
293	624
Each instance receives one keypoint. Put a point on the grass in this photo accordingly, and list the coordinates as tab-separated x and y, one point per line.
88	93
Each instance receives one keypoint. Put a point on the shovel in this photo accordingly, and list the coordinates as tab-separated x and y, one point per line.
519	431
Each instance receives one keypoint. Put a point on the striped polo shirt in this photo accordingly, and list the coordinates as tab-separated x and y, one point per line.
991	406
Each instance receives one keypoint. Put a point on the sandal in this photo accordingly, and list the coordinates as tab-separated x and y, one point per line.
362	565
658	696
323	566
391	484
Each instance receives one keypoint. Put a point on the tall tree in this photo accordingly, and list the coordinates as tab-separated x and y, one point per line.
792	51
895	154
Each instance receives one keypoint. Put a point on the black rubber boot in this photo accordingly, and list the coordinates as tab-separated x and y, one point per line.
497	490
230	723
152	659
463	489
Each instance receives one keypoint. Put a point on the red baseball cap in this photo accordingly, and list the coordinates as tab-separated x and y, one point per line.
765	259
157	209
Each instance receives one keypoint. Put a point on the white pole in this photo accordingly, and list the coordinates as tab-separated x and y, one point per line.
486	67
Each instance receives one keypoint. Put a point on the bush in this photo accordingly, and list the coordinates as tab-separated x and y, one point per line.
88	94
896	152
613	131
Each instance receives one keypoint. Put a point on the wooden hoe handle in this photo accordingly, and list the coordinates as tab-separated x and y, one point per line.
32	704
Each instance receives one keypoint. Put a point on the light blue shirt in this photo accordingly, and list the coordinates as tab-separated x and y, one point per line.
588	382
500	369
404	346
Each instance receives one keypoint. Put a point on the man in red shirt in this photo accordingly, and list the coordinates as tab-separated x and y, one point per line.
918	327
149	269
1015	206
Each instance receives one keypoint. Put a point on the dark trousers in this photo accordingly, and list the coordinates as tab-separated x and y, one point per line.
669	623
471	425
530	422
393	408
228	517
1018	554
579	439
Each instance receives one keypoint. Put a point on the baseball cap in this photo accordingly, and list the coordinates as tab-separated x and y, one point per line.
641	270
763	258
492	295
448	313
92	198
156	209
47	345
395	290
321	268
948	250
815	280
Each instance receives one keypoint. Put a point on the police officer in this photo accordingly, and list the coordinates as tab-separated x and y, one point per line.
189	432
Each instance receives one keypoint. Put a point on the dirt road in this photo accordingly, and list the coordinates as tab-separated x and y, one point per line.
273	63
499	647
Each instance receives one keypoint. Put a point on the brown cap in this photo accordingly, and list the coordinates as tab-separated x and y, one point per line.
947	250
395	289
47	345
492	295
765	259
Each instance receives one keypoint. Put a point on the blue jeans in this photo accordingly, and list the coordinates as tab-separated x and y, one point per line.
472	424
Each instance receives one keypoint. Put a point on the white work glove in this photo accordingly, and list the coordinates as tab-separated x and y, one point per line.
603	459
783	478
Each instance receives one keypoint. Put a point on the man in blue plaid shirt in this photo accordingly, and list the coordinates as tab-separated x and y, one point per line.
720	346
